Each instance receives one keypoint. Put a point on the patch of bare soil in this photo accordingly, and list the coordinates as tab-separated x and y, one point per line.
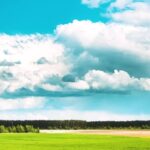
133	133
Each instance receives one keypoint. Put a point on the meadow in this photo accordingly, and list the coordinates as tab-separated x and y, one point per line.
33	141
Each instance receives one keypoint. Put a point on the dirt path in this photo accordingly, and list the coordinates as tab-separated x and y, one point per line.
134	133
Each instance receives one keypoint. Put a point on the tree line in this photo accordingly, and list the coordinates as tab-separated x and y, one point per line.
74	124
18	129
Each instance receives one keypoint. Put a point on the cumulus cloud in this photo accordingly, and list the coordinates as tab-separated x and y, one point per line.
82	55
117	81
102	36
136	14
28	60
124	11
25	103
106	46
101	80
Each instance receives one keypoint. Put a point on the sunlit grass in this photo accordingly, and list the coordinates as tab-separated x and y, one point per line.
71	142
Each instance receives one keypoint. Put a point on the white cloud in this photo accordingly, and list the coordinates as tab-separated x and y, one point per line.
77	49
79	85
124	11
117	81
137	14
106	46
25	103
120	4
93	3
103	37
50	87
145	84
73	115
98	56
27	51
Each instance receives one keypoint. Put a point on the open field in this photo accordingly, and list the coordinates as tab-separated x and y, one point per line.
132	133
72	142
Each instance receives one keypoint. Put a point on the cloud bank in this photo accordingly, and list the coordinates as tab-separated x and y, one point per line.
79	57
82	55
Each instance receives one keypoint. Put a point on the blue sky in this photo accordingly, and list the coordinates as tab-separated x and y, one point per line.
81	59
37	16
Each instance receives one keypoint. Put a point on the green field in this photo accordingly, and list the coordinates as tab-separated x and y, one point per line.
71	142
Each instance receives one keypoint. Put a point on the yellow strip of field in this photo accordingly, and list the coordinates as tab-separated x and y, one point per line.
134	133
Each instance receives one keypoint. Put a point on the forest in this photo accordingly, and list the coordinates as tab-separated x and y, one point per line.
34	125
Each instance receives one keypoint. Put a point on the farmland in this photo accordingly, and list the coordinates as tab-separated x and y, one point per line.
33	141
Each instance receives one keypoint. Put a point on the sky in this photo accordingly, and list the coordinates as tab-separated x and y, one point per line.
81	59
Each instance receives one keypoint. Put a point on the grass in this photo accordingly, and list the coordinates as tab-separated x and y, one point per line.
71	142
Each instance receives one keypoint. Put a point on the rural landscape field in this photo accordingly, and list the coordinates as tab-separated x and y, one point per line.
74	74
72	142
